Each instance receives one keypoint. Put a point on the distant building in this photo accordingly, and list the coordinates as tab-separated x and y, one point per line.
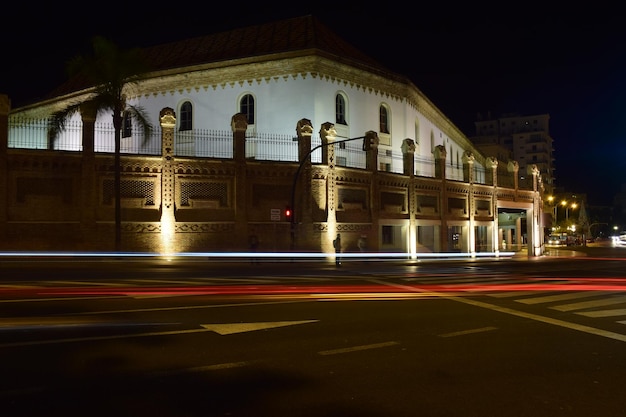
525	139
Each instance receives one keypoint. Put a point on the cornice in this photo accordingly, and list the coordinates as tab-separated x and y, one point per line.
270	69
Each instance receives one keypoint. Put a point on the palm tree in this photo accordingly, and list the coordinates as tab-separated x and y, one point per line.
110	71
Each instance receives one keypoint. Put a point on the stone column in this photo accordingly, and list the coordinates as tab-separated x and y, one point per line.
492	163
5	108
374	198
536	230
513	167
328	135
239	126
302	212
371	162
440	172
167	118
468	167
440	154
89	187
408	157
468	176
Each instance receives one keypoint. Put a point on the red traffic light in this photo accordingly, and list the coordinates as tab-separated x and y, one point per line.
288	212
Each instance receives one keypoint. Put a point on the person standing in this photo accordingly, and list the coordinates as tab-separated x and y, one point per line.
337	246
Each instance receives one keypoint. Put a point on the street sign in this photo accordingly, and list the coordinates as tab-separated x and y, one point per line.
275	215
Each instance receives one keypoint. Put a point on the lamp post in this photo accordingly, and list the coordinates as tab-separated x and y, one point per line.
567	206
572	206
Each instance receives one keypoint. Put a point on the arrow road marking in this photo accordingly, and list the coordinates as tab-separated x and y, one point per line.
230	328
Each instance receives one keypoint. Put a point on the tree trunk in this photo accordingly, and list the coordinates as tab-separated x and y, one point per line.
117	124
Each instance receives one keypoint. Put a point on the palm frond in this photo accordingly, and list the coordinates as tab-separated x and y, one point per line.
57	122
140	116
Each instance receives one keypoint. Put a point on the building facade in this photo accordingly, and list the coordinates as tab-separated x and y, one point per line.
245	129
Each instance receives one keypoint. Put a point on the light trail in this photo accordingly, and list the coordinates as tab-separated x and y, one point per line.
315	290
217	256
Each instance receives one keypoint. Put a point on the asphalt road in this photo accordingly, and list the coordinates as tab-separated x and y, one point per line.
500	337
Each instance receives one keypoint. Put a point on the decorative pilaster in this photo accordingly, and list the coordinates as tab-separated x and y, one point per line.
495	233
440	172
5	107
513	167
468	176
408	157
239	126
374	198
167	118
89	196
303	209
492	163
371	161
440	155
328	134
468	167
536	234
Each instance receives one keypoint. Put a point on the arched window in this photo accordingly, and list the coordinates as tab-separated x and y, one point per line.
186	116
127	125
384	119
246	106
340	110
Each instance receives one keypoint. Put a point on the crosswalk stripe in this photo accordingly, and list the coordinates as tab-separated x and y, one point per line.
590	304
561	297
605	313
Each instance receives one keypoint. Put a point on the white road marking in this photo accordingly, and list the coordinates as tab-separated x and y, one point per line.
471	331
604	313
562	297
590	304
205	328
206	368
536	317
232	328
357	348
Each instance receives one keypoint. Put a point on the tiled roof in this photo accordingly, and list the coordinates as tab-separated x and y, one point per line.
290	35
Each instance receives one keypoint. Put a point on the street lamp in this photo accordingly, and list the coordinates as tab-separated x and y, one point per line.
567	206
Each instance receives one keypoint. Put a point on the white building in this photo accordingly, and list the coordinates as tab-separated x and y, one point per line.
277	75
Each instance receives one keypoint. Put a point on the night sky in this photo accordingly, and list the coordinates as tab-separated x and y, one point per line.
522	58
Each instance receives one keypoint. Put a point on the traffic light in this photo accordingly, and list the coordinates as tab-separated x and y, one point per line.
288	213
